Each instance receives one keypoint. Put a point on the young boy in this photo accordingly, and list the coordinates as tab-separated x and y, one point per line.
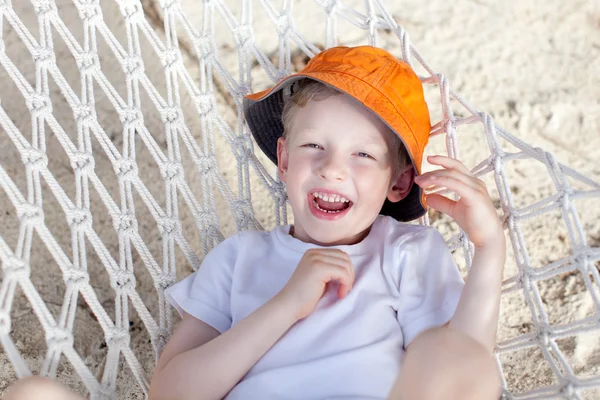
348	302
326	307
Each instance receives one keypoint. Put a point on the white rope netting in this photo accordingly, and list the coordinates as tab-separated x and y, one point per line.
138	207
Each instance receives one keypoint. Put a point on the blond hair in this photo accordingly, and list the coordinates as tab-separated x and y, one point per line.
305	90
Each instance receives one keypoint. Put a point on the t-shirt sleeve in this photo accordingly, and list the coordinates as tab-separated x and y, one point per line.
430	284
206	293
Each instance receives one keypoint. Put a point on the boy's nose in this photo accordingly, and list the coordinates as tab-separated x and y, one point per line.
333	169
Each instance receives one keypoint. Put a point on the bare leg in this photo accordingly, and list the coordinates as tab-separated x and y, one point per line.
39	388
446	364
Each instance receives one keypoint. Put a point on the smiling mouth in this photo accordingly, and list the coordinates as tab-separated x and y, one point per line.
330	203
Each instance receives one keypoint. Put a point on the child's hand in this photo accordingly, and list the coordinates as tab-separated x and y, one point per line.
315	270
474	211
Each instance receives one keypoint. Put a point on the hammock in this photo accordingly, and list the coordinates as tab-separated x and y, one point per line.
115	185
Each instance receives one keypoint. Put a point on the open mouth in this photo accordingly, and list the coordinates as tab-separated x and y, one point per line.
330	203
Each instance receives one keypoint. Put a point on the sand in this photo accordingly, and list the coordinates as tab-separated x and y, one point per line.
533	67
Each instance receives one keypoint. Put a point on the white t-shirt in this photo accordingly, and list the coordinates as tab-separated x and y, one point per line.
406	282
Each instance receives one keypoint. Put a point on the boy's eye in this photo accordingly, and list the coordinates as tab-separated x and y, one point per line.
364	155
312	145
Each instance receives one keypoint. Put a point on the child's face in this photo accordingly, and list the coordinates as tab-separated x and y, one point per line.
339	150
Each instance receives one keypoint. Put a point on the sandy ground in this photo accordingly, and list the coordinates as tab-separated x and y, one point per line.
533	66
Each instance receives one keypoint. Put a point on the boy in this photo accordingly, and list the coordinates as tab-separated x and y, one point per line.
324	308
332	306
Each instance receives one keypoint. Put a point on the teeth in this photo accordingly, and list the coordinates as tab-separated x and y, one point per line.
327	211
332	198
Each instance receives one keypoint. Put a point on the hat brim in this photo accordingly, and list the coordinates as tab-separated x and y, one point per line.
263	111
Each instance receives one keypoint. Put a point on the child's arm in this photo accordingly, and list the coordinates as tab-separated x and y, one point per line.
198	363
189	369
479	306
477	311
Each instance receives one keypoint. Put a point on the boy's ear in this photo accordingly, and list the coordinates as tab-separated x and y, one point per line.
402	185
282	158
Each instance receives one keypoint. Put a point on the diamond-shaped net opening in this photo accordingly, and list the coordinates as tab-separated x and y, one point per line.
115	185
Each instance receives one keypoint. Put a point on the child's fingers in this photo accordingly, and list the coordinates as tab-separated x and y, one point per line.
346	279
432	177
441	203
332	253
467	192
448	162
343	290
336	257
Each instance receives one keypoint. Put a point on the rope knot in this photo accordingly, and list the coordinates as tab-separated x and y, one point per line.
242	212
89	12
331	7
206	218
523	281
168	5
171	57
132	11
105	391
59	338
543	336
84	114
243	35
42	7
88	63
39	105
80	219
279	192
83	161
242	90
30	214
133	65
206	164
131	116
205	50
123	281
168	226
44	57
164	281
284	24
118	337
568	390
126	169
171	115
204	104
125	223
565	197
76	277
16	269
35	159
498	161
212	230
171	170
242	148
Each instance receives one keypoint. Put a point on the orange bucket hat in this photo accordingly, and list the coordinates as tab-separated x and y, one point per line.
379	81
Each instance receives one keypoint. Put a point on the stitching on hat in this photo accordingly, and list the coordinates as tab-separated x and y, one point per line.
384	73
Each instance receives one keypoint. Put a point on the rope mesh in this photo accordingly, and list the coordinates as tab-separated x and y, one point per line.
169	102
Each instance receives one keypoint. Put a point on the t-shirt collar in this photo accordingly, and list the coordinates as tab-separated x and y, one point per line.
282	233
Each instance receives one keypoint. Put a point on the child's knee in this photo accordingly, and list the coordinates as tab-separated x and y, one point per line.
38	387
443	363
